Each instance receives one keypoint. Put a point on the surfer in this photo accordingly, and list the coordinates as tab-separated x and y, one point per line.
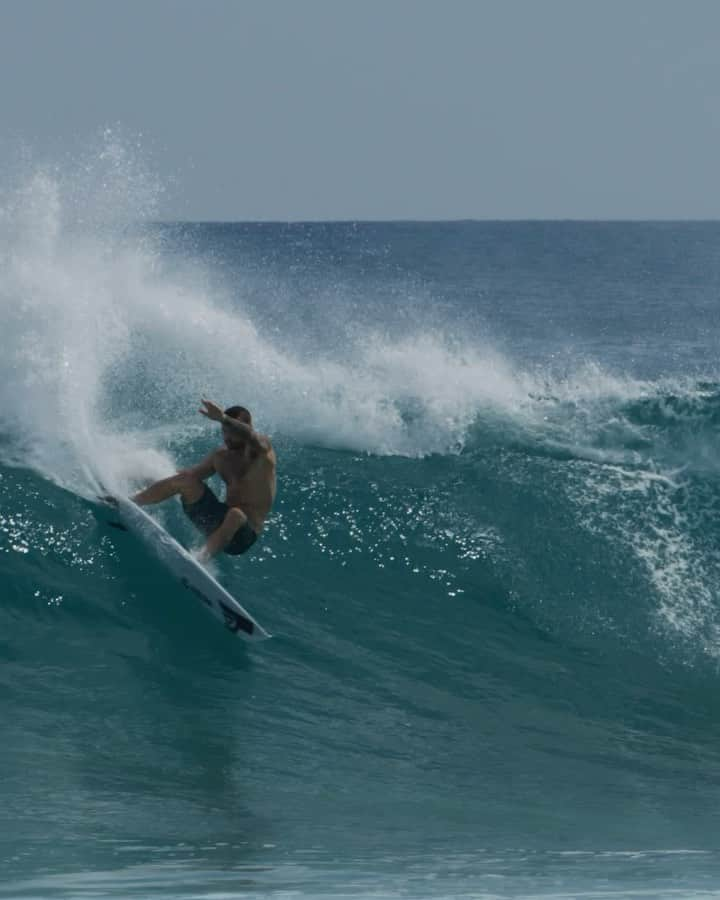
247	466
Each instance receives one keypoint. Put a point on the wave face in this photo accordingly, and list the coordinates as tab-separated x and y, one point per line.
492	571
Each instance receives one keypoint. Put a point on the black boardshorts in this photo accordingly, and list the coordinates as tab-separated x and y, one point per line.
207	515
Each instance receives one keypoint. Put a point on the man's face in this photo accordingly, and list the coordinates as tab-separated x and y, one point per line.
233	441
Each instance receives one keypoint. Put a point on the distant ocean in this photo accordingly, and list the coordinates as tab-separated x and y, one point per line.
492	573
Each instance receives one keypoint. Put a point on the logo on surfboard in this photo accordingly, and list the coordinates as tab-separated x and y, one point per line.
233	620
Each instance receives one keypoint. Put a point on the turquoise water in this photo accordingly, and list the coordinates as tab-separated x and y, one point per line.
491	574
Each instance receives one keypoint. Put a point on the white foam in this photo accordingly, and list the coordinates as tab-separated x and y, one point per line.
97	335
640	512
103	342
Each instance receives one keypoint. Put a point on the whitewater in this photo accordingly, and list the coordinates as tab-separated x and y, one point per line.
492	572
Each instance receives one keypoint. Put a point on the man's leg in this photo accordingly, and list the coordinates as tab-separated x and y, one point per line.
189	487
234	519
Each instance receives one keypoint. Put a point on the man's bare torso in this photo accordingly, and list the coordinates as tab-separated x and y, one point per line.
250	482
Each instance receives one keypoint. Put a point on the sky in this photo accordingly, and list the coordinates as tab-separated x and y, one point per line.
380	109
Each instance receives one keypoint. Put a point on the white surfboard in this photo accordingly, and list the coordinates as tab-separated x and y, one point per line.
125	514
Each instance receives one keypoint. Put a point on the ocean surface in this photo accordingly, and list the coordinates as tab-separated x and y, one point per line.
492	573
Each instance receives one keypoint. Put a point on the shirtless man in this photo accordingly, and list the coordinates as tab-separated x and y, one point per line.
247	466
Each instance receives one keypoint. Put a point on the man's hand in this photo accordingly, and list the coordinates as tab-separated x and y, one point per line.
212	411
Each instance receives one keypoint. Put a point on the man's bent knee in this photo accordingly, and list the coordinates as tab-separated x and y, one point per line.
189	487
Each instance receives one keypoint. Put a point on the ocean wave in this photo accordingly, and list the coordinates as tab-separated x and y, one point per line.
108	341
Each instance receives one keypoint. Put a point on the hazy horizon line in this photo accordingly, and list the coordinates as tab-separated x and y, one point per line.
429	221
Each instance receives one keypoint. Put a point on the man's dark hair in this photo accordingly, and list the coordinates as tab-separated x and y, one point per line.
239	413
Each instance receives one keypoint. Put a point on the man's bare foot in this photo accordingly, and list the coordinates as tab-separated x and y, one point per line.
201	556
